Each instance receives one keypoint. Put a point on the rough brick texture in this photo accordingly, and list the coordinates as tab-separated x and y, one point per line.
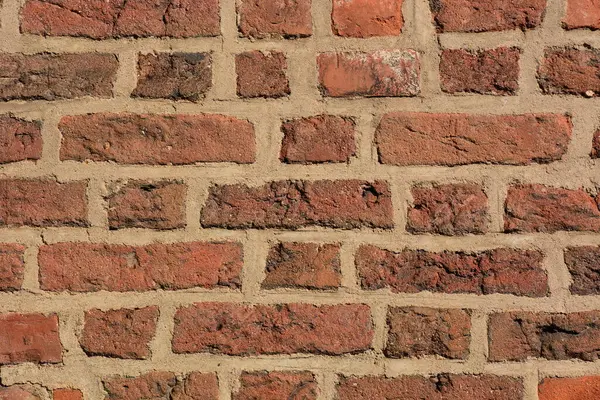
29	338
503	270
582	14
19	392
570	71
67	394
579	388
19	140
12	266
261	74
367	18
276	386
584	266
262	19
87	267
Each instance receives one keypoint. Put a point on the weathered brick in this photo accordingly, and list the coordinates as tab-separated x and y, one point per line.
503	270
123	333
29	338
409	138
56	76
383	73
419	331
318	139
276	386
440	387
342	204
517	336
570	71
157	139
100	19
12	266
452	209
21	392
596	145
584	265
19	139
89	267
236	329
582	14
303	265
67	394
143	204
367	18
494	71
177	76
579	388
540	208
261	74
42	203
262	19
485	15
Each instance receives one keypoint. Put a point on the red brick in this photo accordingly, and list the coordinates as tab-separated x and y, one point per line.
410	138
418	331
540	208
177	76
383	73
67	394
452	209
261	74
42	203
124	333
157	139
19	139
235	329
367	18
318	139
579	388
504	270
20	392
303	265
262	19
582	14
596	145
152	205
517	336
570	71
12	266
584	265
485	15
100	19
440	387
494	71
342	204
277	386
56	76
29	338
89	267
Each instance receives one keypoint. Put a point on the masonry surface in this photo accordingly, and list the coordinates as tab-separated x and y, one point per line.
316	200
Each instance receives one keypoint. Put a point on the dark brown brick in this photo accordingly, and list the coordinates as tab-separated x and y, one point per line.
570	71
261	74
584	265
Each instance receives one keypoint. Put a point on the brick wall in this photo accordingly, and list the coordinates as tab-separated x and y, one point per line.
343	200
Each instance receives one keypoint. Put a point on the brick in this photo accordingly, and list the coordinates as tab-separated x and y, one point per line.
517	336
261	74
177	76
303	265
579	388
19	139
67	394
99	19
90	267
596	145
493	71
367	18
20	392
383	73
582	14
42	203
157	139
440	387
419	331
452	209
277	385
56	76
485	15
143	204
342	204
503	270
235	329
29	338
540	208
584	265
412	138
12	266
163	385
318	139
123	333
263	19
570	71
